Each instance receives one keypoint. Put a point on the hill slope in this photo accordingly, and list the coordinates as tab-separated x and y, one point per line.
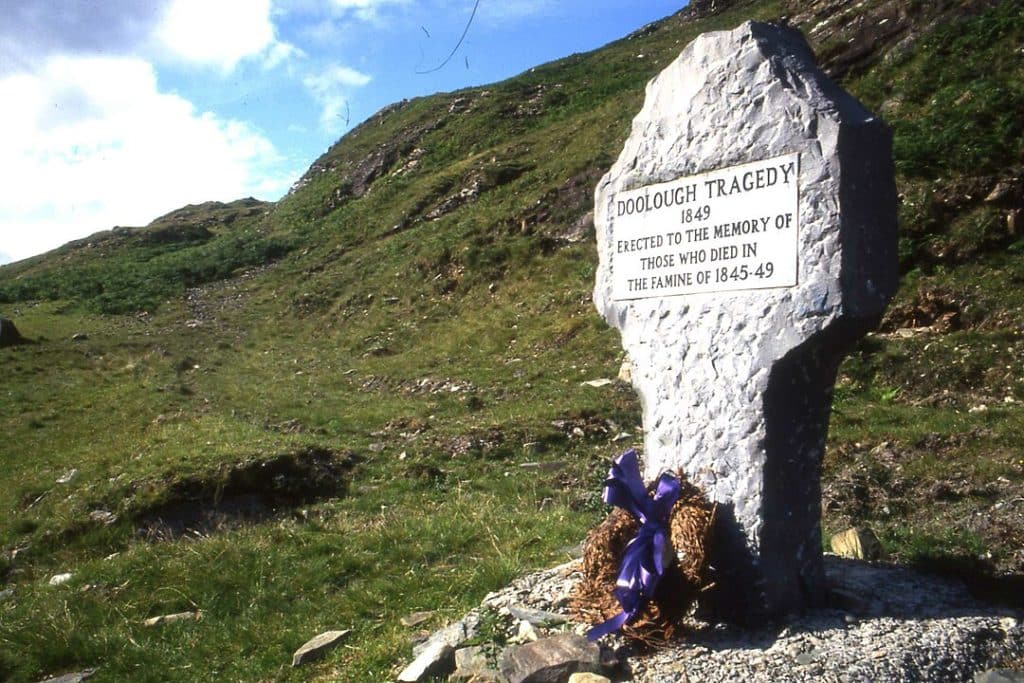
366	399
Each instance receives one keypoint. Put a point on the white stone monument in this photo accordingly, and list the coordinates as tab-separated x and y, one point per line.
747	236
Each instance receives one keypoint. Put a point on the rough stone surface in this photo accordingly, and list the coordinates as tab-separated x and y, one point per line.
76	677
318	646
999	676
882	623
551	660
416	618
433	657
473	665
536	617
736	386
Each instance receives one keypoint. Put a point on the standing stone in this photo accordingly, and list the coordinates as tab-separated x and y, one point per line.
747	236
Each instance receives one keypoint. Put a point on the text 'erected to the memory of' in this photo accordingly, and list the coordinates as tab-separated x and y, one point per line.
725	230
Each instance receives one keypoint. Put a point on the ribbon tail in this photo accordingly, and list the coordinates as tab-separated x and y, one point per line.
610	626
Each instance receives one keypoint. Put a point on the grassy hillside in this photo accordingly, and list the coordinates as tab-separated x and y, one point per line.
367	399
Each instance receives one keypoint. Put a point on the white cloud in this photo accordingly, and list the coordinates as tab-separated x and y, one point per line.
331	90
89	143
220	33
365	10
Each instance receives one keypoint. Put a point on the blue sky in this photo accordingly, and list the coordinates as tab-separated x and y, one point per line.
116	112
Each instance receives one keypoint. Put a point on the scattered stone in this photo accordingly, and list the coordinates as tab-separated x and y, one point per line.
474	666
526	633
415	619
535	616
999	676
1004	189
432	660
173	618
60	579
597	383
318	647
916	627
376	447
434	656
6	594
589	678
551	660
67	476
76	677
858	543
9	334
104	517
79	337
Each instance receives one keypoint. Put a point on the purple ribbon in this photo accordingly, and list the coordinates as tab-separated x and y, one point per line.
645	557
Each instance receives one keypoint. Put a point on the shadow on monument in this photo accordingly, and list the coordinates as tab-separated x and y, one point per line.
784	573
790	584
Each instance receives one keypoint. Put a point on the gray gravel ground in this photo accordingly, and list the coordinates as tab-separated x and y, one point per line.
895	625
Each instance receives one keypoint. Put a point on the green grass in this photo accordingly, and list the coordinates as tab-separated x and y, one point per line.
440	344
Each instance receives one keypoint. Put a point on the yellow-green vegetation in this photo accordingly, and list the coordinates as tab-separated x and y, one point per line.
366	400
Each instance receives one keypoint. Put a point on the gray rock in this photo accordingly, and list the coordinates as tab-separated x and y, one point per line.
415	619
79	336
735	379
76	677
472	664
551	660
318	647
536	617
434	656
999	676
453	635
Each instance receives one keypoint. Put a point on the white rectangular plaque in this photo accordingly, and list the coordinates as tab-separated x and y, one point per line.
731	229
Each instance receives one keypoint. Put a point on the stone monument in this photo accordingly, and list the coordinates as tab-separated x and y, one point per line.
747	236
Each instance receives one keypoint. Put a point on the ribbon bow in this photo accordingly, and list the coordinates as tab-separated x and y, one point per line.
645	557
